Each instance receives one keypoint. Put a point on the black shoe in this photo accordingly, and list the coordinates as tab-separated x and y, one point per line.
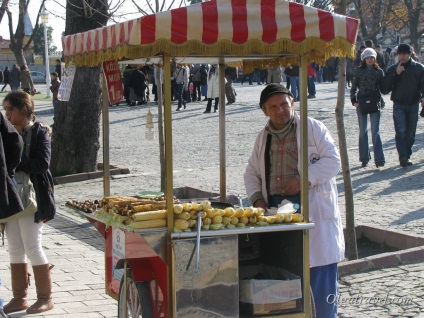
184	106
409	162
206	112
311	96
214	110
404	162
379	164
178	109
204	99
199	99
364	164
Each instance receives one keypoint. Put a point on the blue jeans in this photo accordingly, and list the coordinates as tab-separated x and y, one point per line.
364	148
311	86
405	118
55	107
294	82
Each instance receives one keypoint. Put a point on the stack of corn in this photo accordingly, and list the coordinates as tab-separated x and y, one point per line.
229	218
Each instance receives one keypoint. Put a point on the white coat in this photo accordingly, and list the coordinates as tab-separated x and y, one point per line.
326	239
213	84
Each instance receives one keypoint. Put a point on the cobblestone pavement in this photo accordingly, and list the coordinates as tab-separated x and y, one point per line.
390	197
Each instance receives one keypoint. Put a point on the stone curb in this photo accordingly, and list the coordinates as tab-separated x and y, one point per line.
89	175
411	250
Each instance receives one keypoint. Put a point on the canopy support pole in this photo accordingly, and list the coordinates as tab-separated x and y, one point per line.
105	134
304	181
222	147
169	185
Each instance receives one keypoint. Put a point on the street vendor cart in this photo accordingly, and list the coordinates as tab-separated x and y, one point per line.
155	272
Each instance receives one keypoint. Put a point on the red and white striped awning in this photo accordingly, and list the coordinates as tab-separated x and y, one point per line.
220	28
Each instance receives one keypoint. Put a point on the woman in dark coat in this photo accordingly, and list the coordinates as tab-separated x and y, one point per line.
35	186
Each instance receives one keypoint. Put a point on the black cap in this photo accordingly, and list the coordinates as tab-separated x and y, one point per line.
404	48
272	89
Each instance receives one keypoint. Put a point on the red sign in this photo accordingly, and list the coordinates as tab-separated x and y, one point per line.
113	81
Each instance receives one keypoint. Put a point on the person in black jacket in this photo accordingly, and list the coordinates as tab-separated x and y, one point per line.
6	78
11	146
406	82
35	186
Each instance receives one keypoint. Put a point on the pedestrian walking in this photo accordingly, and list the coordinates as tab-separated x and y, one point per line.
54	88
365	95
35	186
274	75
6	78
311	72
230	76
405	81
292	72
27	84
181	78
272	175
15	81
213	88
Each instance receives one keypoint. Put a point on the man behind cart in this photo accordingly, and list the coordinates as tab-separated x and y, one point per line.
273	175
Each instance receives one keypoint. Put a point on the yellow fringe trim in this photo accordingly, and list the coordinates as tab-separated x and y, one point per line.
280	53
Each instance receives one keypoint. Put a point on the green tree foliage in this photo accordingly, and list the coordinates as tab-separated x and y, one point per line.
38	38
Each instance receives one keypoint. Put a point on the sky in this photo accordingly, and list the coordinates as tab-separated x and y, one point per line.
56	9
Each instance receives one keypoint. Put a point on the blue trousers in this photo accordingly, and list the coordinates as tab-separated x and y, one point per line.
364	148
405	118
295	85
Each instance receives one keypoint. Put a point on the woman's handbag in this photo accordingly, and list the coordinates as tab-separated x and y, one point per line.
369	104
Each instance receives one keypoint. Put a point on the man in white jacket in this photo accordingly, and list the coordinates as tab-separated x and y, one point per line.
273	174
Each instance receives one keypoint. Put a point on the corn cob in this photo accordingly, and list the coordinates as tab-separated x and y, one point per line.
260	211
206	205
230	226
183	215
216	226
151	215
226	220
240	224
234	221
244	219
238	213
228	212
193	215
210	213
196	207
253	219
181	224
217	219
147	224
248	212
262	223
192	223
186	207
205	227
147	207
178	208
296	217
206	221
270	219
279	218
287	217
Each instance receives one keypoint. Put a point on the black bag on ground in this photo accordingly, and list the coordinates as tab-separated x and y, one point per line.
369	104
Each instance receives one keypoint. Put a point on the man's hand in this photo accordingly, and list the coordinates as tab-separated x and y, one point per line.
292	187
261	204
356	104
399	69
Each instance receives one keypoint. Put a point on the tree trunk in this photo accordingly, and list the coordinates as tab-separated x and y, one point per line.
352	251
76	131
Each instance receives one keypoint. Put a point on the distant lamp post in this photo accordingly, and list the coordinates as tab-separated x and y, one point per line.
44	15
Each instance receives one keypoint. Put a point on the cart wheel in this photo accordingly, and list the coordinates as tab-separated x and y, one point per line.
139	301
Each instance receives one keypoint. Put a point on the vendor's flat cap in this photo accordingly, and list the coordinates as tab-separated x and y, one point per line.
272	89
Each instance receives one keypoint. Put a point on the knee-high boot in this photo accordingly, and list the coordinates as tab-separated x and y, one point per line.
216	104
208	106
20	282
43	284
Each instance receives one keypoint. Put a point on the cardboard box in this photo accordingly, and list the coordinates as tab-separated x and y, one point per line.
271	290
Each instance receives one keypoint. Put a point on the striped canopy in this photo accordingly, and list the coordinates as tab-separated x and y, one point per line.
276	29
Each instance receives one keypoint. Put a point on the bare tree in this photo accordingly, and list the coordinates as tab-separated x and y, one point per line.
17	37
76	131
